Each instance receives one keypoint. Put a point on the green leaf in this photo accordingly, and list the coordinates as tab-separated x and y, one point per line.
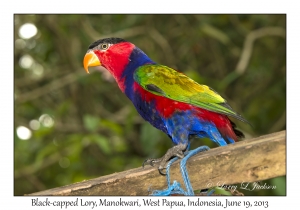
102	143
220	191
91	123
114	127
280	184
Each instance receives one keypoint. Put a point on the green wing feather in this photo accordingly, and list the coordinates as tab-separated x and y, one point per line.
164	81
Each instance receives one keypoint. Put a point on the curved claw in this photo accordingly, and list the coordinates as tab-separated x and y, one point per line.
161	171
176	151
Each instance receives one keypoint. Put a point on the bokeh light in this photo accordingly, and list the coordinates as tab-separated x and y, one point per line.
64	162
20	44
37	70
30	44
34	124
23	133
26	61
27	31
46	120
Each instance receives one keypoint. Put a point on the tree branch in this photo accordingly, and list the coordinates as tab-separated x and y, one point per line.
51	86
246	161
249	42
126	33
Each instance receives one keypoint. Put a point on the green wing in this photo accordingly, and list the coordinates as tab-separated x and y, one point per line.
164	81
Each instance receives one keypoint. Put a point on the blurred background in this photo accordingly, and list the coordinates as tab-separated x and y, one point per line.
70	126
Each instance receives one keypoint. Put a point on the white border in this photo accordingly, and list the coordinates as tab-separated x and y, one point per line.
8	201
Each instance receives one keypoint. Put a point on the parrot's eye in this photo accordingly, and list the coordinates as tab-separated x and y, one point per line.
104	46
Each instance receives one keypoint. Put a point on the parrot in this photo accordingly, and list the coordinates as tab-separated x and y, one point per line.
166	98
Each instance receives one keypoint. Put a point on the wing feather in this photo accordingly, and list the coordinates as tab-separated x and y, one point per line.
164	81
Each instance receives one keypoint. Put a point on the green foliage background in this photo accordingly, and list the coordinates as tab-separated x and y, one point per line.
96	129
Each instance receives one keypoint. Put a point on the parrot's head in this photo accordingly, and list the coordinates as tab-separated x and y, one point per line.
119	57
111	53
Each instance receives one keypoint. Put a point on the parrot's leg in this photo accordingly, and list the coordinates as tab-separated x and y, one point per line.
184	171
175	187
176	151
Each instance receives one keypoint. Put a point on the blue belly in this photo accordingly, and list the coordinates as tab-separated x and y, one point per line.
149	113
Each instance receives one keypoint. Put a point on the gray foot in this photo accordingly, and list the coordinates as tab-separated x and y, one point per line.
176	151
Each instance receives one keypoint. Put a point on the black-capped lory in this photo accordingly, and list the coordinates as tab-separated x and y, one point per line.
166	98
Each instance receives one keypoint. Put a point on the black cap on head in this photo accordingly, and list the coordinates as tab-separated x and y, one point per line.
112	40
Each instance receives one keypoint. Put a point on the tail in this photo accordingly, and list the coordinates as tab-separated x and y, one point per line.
230	133
238	133
223	131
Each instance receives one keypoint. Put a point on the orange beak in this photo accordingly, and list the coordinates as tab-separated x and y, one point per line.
90	59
